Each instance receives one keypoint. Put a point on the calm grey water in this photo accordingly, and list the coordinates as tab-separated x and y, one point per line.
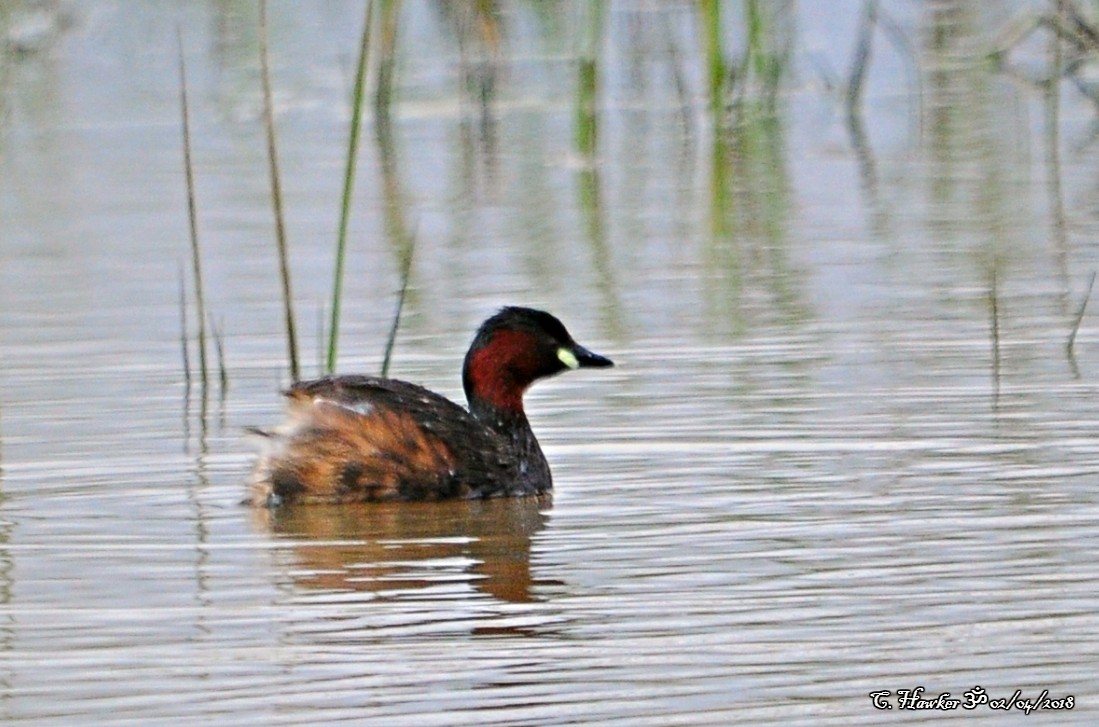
845	449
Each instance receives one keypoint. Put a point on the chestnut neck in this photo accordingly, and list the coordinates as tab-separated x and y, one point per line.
489	379
499	370
501	365
495	375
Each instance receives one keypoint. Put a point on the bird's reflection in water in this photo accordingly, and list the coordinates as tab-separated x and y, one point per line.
386	547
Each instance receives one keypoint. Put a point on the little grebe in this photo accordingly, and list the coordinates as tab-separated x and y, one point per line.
363	438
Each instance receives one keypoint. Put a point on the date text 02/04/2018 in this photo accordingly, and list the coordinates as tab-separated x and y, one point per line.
909	699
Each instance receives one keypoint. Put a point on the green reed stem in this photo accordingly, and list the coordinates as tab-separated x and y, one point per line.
185	348
192	214
276	195
862	58
587	87
586	121
406	273
715	56
348	185
387	57
767	53
223	373
1080	312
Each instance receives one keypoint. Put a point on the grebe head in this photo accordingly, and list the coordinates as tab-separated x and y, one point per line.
515	348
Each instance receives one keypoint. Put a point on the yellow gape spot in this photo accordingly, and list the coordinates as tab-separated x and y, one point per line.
568	358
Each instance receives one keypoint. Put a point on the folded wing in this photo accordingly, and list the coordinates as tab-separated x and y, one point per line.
361	438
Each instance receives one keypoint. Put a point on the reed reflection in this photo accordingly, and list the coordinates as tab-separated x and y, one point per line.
386	547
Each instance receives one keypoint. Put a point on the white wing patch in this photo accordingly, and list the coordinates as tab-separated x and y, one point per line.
362	408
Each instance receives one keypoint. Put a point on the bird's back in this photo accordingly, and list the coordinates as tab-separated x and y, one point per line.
364	438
